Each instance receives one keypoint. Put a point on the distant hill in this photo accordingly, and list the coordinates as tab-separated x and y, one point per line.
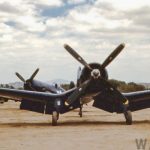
17	85
59	81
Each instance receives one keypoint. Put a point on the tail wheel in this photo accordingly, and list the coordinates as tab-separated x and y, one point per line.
128	117
55	116
80	111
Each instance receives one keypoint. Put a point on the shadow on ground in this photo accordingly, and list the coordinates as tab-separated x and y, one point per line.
72	123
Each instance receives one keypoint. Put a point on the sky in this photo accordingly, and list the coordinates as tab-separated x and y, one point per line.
32	35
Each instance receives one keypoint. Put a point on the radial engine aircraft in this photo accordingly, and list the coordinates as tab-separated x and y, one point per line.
92	84
34	85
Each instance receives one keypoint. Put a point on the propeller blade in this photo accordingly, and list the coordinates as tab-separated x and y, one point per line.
77	93
77	56
34	74
20	77
113	55
119	96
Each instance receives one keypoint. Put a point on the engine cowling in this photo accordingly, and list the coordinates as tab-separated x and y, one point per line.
86	73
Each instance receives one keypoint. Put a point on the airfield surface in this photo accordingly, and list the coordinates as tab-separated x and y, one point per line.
97	130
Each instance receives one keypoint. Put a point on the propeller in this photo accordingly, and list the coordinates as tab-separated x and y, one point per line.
28	82
113	55
20	77
77	56
119	95
94	73
107	61
78	92
82	89
34	74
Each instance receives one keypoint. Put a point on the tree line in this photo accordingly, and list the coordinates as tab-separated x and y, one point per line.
127	87
6	86
120	85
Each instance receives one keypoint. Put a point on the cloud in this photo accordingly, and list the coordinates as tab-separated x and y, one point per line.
48	2
32	34
6	7
125	5
76	1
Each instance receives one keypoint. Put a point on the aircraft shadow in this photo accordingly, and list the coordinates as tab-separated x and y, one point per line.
72	123
91	123
25	124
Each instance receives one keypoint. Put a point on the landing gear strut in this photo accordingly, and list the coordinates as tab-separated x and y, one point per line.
127	115
55	117
80	111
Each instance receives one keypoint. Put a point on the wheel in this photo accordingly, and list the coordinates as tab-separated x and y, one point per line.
54	118
57	115
128	117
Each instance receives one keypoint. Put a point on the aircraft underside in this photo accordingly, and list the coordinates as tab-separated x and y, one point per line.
48	108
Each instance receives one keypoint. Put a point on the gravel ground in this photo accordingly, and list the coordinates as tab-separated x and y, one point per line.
97	130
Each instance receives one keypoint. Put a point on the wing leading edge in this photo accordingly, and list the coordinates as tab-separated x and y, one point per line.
41	102
138	100
106	101
33	95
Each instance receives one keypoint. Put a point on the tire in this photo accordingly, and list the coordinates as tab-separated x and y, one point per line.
80	114
54	118
57	115
128	117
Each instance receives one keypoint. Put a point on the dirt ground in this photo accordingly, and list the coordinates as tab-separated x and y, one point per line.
97	130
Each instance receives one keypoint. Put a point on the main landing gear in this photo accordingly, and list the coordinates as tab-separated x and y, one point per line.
127	114
55	117
80	111
128	117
